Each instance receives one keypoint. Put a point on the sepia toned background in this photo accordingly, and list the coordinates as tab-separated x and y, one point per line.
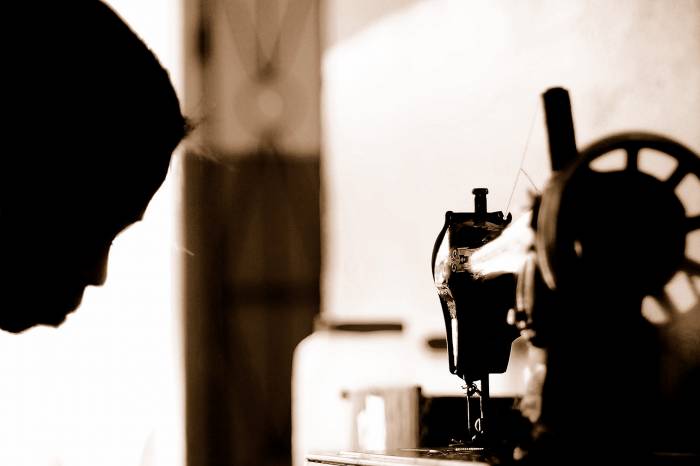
331	137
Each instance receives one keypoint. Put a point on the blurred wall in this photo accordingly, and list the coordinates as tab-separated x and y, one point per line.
252	222
437	97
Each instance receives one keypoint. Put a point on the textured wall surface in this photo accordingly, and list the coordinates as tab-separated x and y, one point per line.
438	97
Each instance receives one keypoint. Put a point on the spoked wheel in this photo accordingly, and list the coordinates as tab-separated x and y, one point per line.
626	217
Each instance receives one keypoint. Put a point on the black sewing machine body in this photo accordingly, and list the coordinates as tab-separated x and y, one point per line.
475	311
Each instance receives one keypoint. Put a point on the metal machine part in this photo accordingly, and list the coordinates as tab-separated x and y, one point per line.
607	242
615	215
474	308
475	335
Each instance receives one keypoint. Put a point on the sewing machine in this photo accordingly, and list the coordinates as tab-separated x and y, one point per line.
589	278
585	277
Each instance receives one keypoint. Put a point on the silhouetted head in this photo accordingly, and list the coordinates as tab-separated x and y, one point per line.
94	120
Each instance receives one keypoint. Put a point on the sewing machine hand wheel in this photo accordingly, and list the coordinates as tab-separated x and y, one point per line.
625	230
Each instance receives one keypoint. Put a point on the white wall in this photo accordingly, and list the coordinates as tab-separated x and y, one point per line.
437	98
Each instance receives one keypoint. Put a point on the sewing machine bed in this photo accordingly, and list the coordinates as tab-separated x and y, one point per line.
449	457
408	456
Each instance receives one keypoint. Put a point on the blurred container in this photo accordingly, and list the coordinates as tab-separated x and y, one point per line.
330	363
340	361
